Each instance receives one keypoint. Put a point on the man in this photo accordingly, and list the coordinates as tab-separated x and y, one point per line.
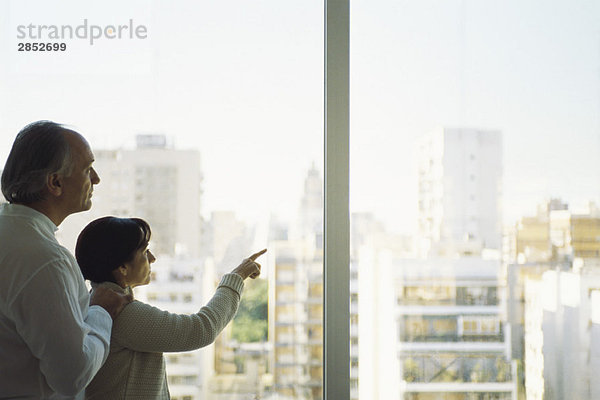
53	337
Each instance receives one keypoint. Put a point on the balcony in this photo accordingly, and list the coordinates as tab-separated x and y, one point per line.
451	347
451	338
452	387
456	369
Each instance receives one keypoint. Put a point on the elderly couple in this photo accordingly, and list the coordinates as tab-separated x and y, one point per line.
57	340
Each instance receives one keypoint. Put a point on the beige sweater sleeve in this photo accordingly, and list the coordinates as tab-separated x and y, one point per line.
142	327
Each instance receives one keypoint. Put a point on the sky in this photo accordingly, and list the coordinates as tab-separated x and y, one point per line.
242	82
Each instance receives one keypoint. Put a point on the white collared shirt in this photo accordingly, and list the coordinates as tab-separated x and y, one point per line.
52	342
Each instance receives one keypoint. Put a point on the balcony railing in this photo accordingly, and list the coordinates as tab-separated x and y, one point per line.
452	338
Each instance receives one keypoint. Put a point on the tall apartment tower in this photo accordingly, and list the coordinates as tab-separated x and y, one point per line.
460	191
157	183
296	301
310	215
296	319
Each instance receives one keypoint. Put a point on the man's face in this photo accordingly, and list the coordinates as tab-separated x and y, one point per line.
78	186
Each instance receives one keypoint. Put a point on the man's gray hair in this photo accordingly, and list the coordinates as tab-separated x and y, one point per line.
40	149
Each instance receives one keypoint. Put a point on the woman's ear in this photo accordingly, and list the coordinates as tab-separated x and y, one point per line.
119	275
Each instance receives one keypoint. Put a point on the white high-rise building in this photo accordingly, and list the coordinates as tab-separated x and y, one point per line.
562	335
433	328
155	182
371	305
460	191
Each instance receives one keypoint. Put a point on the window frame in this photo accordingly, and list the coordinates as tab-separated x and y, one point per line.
336	265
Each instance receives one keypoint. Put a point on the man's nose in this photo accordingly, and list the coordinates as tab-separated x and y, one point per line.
95	177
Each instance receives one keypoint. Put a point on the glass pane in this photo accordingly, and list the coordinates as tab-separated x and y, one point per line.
475	230
209	125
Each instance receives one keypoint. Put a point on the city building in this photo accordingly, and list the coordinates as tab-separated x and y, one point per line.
460	191
448	340
562	340
310	213
368	236
226	240
296	319
558	233
153	181
183	286
296	300
241	370
517	276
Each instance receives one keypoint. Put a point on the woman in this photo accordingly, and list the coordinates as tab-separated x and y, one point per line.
113	252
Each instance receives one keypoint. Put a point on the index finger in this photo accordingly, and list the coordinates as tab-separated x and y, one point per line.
256	255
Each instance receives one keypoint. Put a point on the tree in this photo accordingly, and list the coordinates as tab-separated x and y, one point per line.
250	323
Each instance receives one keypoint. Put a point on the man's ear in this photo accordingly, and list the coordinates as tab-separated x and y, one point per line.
54	184
123	270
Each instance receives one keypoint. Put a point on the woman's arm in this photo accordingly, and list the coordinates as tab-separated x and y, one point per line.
142	327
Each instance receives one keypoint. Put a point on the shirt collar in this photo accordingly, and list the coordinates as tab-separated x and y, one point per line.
113	286
20	210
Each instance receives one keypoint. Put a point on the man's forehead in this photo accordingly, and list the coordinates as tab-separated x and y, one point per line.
79	146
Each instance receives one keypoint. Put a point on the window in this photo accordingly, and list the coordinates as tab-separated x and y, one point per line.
463	220
211	129
455	198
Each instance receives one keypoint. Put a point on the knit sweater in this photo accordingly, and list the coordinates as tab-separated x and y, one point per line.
135	368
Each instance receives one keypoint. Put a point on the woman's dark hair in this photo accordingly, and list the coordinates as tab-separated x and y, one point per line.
107	243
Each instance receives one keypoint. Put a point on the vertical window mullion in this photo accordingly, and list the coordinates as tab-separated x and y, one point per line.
336	374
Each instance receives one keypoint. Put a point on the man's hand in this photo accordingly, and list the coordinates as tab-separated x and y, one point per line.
110	300
249	267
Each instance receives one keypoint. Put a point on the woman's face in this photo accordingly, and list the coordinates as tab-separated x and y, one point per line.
138	269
